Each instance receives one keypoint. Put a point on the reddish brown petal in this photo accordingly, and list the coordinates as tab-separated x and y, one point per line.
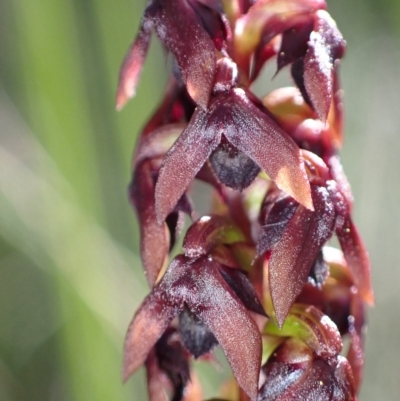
154	238
334	42
293	256
237	211
183	162
288	107
208	232
230	323
357	259
207	175
147	326
356	329
200	286
181	31
259	137
133	62
223	255
325	46
318	76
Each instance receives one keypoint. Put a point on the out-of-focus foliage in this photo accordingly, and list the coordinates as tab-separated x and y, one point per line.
70	276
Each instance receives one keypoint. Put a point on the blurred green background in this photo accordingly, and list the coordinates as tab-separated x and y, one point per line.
70	276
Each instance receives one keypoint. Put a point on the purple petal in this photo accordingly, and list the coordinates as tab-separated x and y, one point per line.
230	323
293	256
325	46
133	62
147	326
318	76
154	239
259	137
181	31
183	162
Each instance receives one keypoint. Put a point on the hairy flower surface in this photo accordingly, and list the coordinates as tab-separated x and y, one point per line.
231	115
199	287
255	275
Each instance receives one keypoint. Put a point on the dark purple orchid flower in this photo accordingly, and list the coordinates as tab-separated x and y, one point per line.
211	127
315	72
231	115
265	20
197	286
175	21
294	236
310	42
307	365
211	300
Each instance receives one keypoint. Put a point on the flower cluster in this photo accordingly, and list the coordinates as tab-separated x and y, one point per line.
254	276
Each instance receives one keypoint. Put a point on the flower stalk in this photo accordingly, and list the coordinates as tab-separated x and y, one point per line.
256	275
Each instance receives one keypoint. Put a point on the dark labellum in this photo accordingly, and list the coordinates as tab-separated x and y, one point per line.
319	271
172	360
195	335
232	167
